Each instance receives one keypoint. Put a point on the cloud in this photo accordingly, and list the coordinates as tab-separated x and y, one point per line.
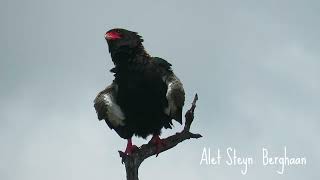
254	66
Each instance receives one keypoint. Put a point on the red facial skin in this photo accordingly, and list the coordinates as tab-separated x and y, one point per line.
112	35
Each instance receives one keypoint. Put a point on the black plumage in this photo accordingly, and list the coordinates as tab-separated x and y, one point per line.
145	95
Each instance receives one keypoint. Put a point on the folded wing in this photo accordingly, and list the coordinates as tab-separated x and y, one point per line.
175	92
107	109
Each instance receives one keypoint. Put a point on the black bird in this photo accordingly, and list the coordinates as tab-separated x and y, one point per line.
145	95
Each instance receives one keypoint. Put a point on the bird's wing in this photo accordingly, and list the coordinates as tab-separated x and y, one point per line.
107	107
175	92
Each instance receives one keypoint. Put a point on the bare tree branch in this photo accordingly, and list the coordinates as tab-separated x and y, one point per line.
133	161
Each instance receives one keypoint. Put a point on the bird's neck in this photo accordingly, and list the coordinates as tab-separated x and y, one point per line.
141	51
124	56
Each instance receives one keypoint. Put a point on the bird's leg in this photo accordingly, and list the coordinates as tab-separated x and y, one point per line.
130	148
158	142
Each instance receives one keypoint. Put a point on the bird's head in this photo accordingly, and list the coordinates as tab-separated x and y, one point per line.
121	38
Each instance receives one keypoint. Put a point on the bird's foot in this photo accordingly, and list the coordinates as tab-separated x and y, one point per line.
130	148
159	143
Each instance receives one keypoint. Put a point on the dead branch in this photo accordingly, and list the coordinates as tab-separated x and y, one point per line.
133	161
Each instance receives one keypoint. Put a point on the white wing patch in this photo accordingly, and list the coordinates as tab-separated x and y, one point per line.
171	106
115	115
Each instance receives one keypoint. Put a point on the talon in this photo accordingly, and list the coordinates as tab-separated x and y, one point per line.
130	148
159	143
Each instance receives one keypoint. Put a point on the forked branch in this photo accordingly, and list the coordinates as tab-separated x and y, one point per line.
133	161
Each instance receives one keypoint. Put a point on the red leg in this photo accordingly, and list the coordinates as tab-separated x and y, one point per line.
158	142
130	148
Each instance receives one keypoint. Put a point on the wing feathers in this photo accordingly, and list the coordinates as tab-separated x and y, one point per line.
175	92
175	96
107	108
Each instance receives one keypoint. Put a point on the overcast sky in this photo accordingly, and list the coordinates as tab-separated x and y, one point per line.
254	64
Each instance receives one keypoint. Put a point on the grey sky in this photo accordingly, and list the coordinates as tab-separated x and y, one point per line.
254	64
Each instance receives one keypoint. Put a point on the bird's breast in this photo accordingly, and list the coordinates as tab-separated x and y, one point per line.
142	90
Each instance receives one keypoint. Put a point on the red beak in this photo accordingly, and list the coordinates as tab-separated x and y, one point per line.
112	35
